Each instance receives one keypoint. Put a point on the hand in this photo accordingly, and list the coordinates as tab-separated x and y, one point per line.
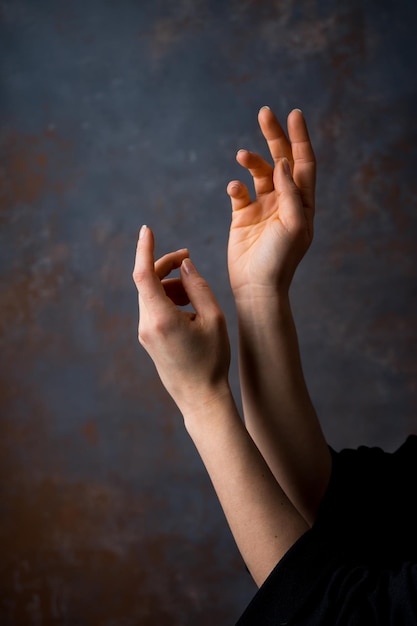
269	236
190	350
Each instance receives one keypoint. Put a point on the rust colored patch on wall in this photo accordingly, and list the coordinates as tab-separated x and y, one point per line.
31	166
107	516
90	432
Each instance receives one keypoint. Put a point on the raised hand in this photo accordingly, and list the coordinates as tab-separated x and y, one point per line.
191	354
268	238
270	234
190	349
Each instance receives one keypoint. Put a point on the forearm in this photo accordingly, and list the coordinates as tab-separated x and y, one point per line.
192	355
278	410
263	521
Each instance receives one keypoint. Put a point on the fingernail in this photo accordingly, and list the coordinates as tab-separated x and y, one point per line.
188	266
287	167
142	231
298	110
242	150
234	187
265	107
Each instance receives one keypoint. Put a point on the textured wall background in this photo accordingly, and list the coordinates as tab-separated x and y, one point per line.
115	114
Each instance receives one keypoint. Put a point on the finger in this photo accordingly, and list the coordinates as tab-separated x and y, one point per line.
277	141
174	289
239	195
304	171
169	262
198	291
292	213
151	293
144	262
260	170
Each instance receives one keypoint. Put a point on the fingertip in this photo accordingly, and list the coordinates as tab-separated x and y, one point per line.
296	116
234	188
265	116
239	195
188	266
145	247
145	235
263	109
179	256
244	158
298	131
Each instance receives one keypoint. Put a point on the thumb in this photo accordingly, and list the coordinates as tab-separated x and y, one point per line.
291	206
284	180
197	289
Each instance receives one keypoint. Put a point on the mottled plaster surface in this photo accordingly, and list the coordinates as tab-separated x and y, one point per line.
118	114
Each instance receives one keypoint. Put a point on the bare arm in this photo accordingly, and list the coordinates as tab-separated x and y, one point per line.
263	521
191	354
278	411
268	238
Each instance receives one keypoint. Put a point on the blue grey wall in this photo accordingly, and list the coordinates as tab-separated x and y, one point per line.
114	114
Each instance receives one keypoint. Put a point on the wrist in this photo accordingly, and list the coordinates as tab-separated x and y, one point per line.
261	301
205	411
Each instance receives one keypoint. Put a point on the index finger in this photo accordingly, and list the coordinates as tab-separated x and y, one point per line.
151	292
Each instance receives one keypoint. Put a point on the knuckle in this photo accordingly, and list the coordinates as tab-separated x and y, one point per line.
217	320
159	326
143	335
200	284
138	276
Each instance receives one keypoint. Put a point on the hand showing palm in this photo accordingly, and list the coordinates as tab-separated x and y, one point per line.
269	236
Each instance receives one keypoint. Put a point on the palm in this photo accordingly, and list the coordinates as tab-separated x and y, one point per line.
270	235
266	242
253	238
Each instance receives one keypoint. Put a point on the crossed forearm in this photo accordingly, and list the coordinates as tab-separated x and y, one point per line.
278	410
262	519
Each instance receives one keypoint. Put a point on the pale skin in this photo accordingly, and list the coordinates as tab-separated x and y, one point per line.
191	353
268	238
271	473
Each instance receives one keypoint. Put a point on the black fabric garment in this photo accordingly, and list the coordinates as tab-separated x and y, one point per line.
357	566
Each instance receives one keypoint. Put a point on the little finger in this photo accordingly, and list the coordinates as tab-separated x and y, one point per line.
239	195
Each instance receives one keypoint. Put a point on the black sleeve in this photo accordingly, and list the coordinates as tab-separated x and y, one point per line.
313	585
297	578
369	507
357	565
